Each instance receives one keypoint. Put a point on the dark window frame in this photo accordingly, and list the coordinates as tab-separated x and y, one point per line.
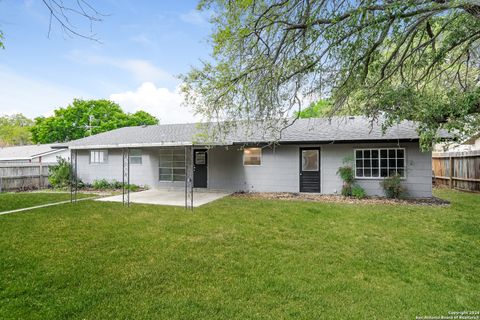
376	163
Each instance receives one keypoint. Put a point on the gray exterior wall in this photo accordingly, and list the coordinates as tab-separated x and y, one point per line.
144	174
279	171
418	178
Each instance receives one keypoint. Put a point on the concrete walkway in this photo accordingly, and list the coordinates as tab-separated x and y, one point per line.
169	197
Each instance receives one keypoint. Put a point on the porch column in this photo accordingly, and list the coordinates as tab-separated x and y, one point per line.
73	176
189	177
126	176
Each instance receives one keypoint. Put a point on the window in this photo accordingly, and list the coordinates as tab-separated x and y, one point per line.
375	163
309	160
252	156
200	157
98	156
172	165
135	156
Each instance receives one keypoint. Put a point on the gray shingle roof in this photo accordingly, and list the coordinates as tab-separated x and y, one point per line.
321	130
25	152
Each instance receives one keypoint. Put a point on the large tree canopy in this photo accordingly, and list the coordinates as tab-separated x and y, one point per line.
408	59
323	108
86	117
15	130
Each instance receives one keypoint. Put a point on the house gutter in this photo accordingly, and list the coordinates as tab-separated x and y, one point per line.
188	143
140	145
329	141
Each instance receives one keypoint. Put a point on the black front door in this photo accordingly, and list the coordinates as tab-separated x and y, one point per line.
309	169
200	162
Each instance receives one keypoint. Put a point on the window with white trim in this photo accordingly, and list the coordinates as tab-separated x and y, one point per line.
252	156
98	156
379	163
172	164
135	156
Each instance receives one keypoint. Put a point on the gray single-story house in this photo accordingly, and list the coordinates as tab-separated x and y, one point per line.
305	158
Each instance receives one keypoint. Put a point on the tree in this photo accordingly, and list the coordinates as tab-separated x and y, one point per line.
403	59
86	117
321	108
324	108
15	130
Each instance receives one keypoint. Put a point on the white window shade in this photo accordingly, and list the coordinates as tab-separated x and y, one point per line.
135	156
252	156
98	156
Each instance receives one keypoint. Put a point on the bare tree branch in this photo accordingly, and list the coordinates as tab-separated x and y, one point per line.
64	13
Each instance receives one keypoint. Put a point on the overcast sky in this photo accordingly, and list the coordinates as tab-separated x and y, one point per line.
145	45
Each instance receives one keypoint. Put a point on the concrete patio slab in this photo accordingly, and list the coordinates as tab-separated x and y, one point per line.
169	197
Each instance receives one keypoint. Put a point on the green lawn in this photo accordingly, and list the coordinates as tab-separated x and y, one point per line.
241	259
12	201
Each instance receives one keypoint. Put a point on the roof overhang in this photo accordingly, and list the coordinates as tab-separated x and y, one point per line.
141	145
16	159
32	156
189	143
332	141
48	152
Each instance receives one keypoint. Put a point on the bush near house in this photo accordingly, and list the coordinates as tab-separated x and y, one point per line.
349	188
346	174
104	184
60	174
393	186
358	192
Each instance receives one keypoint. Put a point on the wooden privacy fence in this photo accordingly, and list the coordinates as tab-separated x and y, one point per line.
459	170
23	176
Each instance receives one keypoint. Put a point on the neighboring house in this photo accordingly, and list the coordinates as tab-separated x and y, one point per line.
38	153
305	159
470	144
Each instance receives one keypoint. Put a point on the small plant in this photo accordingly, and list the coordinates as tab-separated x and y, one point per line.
393	187
346	174
346	190
358	192
101	184
116	184
132	187
60	174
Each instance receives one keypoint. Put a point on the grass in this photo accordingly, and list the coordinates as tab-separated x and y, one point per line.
241	259
12	201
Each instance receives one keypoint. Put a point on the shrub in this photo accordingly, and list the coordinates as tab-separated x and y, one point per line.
358	192
133	187
347	175
101	184
393	187
60	174
346	190
116	184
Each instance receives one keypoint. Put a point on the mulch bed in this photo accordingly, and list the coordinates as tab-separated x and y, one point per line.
339	199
